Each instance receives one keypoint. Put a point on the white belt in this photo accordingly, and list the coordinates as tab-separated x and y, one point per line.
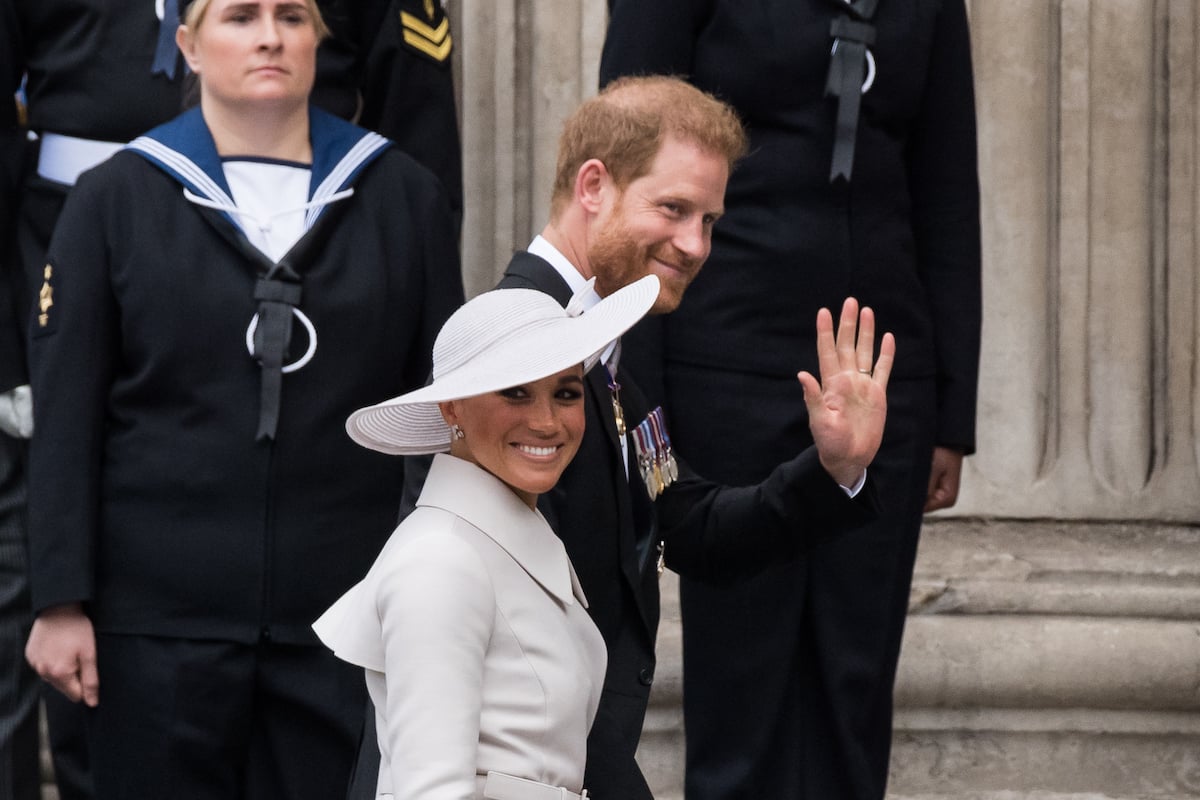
63	158
499	786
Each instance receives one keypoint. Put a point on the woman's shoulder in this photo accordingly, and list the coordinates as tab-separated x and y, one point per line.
435	540
125	170
430	568
121	164
110	192
395	165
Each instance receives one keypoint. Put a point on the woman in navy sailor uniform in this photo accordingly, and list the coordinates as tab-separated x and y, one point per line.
99	73
218	296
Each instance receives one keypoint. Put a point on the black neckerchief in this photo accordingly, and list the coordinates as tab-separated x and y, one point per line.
184	150
852	33
278	292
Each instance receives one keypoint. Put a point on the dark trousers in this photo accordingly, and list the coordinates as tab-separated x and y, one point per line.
207	720
365	775
66	723
19	778
788	677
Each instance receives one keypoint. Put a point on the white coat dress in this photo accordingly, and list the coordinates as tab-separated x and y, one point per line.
479	652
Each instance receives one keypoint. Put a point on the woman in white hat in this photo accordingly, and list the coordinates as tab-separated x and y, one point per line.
483	664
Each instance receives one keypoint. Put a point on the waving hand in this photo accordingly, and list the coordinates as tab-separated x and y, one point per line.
848	406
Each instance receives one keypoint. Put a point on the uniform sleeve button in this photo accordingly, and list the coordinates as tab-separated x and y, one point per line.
646	677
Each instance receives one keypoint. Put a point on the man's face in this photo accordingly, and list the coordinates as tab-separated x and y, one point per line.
661	224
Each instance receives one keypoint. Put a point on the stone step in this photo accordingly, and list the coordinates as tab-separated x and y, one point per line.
1003	754
1042	661
1007	795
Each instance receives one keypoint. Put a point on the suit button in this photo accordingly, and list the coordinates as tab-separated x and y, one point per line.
646	677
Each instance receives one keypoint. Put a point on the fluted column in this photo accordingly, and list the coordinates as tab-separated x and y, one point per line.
523	65
1051	643
1087	117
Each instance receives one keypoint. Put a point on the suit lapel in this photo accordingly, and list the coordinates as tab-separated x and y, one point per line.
639	563
529	271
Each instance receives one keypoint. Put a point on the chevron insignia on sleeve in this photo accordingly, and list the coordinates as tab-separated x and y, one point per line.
433	41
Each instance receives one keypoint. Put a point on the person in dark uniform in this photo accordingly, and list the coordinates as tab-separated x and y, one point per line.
640	180
19	779
217	297
99	75
861	180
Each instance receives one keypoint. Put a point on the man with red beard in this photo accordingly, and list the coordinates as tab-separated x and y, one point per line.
639	184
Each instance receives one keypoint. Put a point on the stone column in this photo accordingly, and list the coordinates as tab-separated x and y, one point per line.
523	65
1087	159
1053	642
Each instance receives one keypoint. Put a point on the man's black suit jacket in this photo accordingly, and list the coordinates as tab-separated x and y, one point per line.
611	531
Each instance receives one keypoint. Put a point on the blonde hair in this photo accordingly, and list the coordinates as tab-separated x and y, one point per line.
193	15
625	125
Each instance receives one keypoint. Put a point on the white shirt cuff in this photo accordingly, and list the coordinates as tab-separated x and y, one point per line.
852	491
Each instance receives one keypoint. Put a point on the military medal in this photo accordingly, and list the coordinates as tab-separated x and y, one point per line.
666	454
618	413
645	461
655	458
651	484
45	298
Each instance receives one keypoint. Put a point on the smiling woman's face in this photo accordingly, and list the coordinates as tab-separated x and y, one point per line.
525	435
249	52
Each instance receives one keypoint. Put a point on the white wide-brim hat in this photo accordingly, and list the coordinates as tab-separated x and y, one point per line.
502	338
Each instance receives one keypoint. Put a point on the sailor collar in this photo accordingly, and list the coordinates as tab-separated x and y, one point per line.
184	149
